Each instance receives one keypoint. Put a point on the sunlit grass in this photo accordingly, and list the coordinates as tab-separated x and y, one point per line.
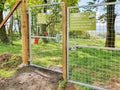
47	55
90	65
4	73
85	64
13	49
94	42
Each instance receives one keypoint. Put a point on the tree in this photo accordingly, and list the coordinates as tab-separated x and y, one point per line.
8	6
10	30
18	22
110	38
53	18
3	35
44	26
110	19
71	2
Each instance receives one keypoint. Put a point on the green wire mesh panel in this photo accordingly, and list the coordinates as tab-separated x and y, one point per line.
94	46
46	36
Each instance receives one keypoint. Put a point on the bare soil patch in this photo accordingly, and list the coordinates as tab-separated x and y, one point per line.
112	84
9	61
4	58
31	78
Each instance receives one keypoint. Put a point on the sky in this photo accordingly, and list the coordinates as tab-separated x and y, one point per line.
84	2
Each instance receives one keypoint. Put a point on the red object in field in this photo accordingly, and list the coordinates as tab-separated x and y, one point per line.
44	33
36	39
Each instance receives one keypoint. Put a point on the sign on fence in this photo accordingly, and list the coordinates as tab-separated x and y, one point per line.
83	21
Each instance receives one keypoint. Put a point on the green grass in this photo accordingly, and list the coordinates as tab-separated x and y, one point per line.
86	65
13	49
91	65
89	42
4	73
94	42
9	67
47	54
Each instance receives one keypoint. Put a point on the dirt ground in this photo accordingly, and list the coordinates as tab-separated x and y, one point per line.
31	78
112	84
9	61
28	78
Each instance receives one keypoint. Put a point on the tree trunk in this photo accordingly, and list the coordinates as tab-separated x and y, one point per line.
110	37
3	35
43	26
11	30
18	23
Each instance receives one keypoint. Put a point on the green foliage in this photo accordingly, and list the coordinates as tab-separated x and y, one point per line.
34	2
71	2
9	4
2	5
80	34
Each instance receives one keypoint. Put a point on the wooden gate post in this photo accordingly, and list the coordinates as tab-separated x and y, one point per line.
25	34
64	48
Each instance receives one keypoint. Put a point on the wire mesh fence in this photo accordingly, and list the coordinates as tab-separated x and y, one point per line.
46	36
94	45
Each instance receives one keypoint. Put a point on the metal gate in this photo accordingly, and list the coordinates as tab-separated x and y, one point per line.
93	60
45	22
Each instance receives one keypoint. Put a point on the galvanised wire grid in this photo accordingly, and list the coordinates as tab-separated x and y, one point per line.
94	45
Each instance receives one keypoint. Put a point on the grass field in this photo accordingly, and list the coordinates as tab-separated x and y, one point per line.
91	65
85	64
13	49
47	55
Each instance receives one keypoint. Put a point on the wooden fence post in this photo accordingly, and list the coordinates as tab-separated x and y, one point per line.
25	34
64	48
